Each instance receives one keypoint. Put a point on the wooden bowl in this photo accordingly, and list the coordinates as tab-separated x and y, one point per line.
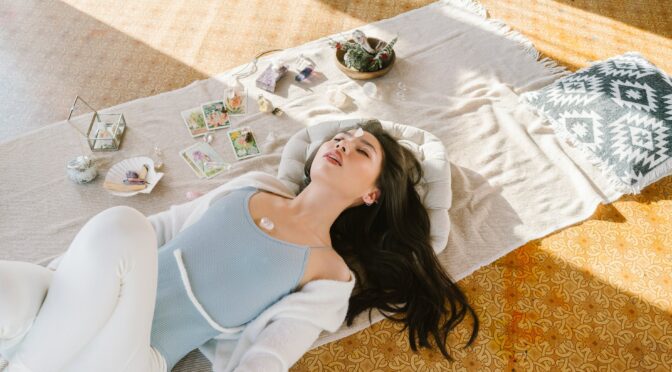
359	75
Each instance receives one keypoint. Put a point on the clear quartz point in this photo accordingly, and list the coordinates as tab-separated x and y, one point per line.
266	223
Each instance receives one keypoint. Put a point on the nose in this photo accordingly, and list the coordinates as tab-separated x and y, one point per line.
341	145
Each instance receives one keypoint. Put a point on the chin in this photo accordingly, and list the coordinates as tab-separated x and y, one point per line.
324	169
327	179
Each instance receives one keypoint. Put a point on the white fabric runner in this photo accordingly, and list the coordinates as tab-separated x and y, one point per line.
513	181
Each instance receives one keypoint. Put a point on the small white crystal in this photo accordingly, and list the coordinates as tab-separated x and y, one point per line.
191	195
336	97
266	223
370	89
359	132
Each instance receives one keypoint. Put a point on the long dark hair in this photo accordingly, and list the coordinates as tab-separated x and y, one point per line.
387	245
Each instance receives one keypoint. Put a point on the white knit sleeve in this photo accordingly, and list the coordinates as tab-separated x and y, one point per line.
169	222
279	345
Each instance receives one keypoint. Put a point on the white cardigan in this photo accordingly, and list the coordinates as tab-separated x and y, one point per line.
286	330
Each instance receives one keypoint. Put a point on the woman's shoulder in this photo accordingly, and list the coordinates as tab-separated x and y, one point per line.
255	179
330	265
262	181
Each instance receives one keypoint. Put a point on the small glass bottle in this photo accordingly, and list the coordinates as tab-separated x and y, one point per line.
264	104
305	67
158	157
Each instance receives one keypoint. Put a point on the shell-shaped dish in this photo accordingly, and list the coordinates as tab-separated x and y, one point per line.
117	174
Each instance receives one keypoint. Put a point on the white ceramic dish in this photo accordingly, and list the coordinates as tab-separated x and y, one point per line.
117	174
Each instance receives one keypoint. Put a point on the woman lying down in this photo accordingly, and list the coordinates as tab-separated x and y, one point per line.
247	259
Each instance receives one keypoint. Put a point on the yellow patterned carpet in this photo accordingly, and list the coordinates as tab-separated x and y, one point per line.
594	296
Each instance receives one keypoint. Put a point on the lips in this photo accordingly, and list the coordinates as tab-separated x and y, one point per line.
335	156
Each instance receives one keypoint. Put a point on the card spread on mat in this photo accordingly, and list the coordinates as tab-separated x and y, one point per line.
235	102
195	122
215	115
203	160
243	142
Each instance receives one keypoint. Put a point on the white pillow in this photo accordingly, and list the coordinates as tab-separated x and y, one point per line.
434	188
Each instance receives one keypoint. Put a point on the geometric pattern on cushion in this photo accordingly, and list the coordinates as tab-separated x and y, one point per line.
618	112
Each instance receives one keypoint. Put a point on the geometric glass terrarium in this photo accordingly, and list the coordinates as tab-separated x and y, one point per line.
105	131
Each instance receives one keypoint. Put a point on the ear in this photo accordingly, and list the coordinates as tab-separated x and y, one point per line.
372	196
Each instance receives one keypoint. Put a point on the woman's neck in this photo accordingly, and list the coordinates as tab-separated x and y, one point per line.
315	209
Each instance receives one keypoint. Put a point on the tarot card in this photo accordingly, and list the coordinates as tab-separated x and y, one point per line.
235	102
215	115
204	160
243	142
190	162
195	122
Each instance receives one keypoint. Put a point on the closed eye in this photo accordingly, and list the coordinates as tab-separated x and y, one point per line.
363	152
358	150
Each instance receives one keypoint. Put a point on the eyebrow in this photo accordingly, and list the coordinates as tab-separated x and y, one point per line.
367	143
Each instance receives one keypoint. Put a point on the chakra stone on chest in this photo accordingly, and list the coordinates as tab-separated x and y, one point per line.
266	223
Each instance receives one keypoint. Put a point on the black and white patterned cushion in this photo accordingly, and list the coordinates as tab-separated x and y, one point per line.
619	113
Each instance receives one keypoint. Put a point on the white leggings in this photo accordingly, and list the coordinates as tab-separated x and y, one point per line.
97	314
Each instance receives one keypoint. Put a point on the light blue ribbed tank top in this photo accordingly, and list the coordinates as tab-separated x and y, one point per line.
235	271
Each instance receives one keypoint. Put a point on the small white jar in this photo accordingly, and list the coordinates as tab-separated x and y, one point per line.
82	169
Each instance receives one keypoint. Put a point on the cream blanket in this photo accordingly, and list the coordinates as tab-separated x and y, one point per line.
512	180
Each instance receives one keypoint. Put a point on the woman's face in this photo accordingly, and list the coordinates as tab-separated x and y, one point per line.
350	164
